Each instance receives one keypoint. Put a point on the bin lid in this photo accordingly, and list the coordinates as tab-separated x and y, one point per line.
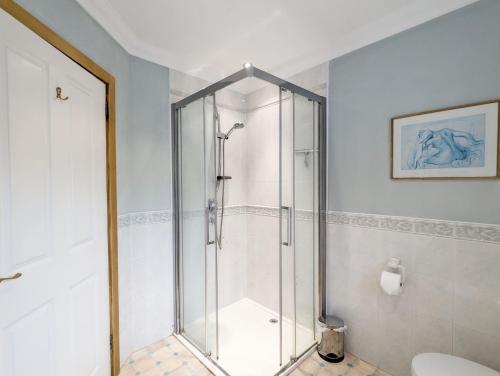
330	322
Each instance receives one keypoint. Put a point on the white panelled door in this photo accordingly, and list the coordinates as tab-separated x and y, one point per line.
54	319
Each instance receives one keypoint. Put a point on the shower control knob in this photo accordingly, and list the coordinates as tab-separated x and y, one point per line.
212	205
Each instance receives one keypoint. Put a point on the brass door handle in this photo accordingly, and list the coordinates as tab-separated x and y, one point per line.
59	94
15	276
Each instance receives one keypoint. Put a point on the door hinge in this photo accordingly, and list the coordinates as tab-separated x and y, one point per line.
111	342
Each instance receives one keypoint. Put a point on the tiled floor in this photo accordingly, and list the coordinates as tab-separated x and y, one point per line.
164	358
351	366
170	358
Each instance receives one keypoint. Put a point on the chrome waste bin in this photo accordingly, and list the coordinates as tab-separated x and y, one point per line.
331	347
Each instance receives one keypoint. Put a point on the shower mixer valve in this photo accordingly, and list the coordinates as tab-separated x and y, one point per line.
212	210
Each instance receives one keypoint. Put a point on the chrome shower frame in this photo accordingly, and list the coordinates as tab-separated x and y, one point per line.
211	90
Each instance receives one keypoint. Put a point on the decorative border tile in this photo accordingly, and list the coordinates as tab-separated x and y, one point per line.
449	229
478	232
301	215
232	210
304	215
141	218
432	227
267	211
189	214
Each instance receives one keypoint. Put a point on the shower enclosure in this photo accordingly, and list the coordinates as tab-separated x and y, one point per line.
250	305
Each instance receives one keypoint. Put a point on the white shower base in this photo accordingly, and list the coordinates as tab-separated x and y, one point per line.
249	342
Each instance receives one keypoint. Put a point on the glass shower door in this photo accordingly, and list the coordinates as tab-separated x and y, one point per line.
198	210
305	152
286	234
298	222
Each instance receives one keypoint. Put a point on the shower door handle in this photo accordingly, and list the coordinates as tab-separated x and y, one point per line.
289	221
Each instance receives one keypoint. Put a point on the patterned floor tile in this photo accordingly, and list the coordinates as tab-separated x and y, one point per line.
169	357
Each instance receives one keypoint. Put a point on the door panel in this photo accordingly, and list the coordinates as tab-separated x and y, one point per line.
305	154
53	211
192	189
298	200
211	223
81	164
31	338
287	243
84	327
198	221
28	159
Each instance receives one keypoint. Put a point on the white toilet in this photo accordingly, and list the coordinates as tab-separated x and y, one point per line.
433	364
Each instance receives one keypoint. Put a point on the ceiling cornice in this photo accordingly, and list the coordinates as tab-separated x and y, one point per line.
110	20
407	17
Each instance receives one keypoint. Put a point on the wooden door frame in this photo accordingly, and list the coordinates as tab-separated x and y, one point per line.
50	36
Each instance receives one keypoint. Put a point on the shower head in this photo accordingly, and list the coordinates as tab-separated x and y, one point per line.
235	126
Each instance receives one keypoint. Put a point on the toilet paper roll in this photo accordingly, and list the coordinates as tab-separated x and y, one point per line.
391	283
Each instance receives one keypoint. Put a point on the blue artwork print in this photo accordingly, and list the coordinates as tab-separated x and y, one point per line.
451	143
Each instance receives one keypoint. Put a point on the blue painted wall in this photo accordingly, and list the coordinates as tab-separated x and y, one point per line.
149	154
142	104
449	61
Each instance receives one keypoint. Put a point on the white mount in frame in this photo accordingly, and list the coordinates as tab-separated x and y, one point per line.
459	142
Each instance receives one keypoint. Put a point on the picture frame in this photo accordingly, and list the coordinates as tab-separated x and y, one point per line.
461	142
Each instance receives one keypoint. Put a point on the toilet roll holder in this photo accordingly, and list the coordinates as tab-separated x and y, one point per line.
394	265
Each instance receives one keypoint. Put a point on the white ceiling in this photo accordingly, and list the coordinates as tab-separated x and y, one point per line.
211	39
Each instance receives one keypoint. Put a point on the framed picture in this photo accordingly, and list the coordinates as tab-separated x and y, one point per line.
453	143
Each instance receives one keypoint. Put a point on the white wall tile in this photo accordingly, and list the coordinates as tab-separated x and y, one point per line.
433	296
233	260
235	165
478	309
429	334
477	265
263	261
394	358
436	257
263	156
362	336
450	302
476	346
304	265
145	285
